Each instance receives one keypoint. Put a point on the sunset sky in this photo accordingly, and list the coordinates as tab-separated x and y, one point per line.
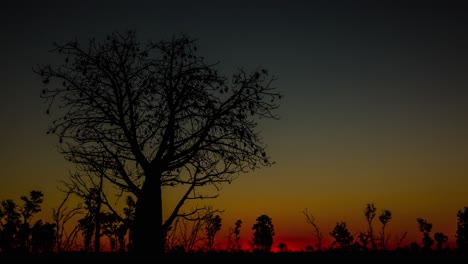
375	106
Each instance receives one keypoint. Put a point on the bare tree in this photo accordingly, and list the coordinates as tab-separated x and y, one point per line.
156	115
399	239
311	220
65	235
234	243
83	185
186	233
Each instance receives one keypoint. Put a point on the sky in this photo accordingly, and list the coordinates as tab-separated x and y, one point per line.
375	106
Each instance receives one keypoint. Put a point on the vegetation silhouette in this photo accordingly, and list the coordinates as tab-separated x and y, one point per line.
143	117
264	231
195	239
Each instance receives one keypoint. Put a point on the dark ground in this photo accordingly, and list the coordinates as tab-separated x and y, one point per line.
298	257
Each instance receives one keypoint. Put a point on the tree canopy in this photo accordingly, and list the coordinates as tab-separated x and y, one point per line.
147	116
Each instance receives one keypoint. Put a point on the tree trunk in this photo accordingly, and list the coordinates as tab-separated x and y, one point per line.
97	226
148	238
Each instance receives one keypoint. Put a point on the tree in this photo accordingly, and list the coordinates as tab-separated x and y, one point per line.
237	235
425	227
369	212
16	231
441	240
399	239
156	115
91	222
186	232
311	220
43	237
10	223
213	225
363	240
31	206
282	247
384	218
65	237
342	237
462	229
113	228
234	244
264	232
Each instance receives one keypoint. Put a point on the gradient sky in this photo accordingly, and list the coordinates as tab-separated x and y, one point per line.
375	106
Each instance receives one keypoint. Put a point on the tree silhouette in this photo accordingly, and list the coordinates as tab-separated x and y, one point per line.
213	225
282	247
43	237
31	205
234	244
384	218
342	237
399	239
186	232
370	213
264	232
363	240
237	235
440	239
311	220
62	215
425	227
91	222
15	222
154	115
10	222
462	229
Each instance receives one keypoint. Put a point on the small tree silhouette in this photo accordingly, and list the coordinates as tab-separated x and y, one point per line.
15	229
10	220
342	237
370	213
43	237
384	218
462	229
237	235
264	231
425	227
185	234
363	240
234	244
399	239
62	215
282	247
213	225
311	220
441	240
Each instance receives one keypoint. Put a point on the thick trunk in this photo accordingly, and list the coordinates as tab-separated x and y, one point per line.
147	235
97	226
